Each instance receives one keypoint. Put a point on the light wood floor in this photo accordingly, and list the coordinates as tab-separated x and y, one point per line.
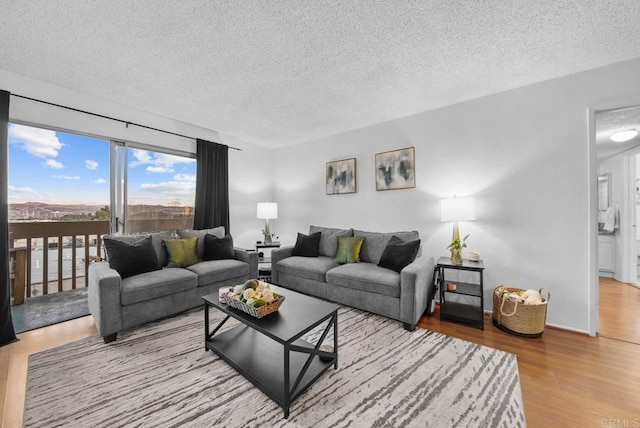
567	379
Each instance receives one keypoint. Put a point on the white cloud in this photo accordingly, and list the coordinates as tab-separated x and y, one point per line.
67	177
191	178
157	162
170	188
15	189
100	181
159	169
52	163
142	157
36	141
90	164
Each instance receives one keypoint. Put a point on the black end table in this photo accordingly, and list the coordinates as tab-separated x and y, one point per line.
264	263
467	313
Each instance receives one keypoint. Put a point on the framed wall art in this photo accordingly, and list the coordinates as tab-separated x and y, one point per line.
341	176
396	169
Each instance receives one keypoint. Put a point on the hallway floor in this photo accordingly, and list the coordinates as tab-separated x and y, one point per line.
619	311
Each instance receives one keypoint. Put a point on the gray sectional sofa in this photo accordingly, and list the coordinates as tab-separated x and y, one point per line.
117	303
364	285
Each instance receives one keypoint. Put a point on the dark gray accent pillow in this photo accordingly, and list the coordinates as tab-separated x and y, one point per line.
398	254
218	248
131	258
307	245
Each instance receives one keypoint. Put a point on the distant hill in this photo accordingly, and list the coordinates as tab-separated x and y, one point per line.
42	211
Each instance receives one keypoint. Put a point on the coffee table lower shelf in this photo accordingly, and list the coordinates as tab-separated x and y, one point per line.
263	362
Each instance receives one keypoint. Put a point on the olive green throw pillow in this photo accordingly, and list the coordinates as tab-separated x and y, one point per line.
348	250
182	252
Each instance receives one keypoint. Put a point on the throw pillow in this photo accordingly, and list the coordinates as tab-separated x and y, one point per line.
348	250
216	231
182	252
307	245
218	248
398	254
131	258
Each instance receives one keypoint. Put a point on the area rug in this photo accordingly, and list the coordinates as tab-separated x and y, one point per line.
48	309
160	375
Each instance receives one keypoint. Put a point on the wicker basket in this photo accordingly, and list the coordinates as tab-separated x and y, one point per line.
254	312
518	318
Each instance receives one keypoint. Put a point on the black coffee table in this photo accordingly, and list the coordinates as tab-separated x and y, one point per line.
269	351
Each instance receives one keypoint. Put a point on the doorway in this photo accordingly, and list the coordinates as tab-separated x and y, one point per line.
618	216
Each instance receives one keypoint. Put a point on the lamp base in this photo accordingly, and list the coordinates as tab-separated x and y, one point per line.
267	239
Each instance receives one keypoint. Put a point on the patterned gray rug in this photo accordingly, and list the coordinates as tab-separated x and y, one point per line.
161	376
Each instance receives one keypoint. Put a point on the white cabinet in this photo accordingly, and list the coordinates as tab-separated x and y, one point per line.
606	259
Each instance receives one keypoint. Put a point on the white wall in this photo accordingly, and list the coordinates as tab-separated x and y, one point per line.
523	154
248	182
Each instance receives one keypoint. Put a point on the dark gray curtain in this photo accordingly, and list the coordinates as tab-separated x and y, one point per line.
212	186
7	334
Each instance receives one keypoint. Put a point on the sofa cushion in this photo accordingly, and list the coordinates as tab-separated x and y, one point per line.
131	255
366	277
307	267
218	248
307	245
398	254
182	252
213	271
329	239
158	245
375	243
216	231
348	249
150	285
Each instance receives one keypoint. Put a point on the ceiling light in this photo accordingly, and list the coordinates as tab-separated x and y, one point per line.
622	136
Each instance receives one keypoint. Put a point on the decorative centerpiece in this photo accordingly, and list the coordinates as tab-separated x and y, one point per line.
253	297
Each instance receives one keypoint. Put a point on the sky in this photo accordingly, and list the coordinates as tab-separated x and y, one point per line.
63	168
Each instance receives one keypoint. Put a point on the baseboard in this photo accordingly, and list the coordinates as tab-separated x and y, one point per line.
555	326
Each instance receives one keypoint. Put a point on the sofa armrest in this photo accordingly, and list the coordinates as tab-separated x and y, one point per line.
277	255
250	257
105	303
415	280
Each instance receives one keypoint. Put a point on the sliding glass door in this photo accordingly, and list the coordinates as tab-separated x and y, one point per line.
66	191
153	190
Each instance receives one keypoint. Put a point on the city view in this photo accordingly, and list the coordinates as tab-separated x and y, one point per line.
58	180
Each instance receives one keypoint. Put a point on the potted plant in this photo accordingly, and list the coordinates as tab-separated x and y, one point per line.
456	247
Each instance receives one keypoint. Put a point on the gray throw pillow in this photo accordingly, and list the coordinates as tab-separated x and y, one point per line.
398	254
218	248
131	258
307	245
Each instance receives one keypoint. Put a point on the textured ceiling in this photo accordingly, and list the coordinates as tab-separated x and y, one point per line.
284	72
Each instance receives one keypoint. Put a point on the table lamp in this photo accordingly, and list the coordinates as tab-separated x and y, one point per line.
267	211
455	210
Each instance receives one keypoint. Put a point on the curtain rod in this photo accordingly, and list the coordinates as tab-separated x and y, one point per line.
127	123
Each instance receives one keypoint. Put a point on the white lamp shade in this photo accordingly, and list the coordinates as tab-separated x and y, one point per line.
457	209
267	210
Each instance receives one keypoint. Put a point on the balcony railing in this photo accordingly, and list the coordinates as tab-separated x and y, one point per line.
58	254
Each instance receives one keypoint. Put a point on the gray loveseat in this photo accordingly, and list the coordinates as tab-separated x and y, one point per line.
117	303
365	285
